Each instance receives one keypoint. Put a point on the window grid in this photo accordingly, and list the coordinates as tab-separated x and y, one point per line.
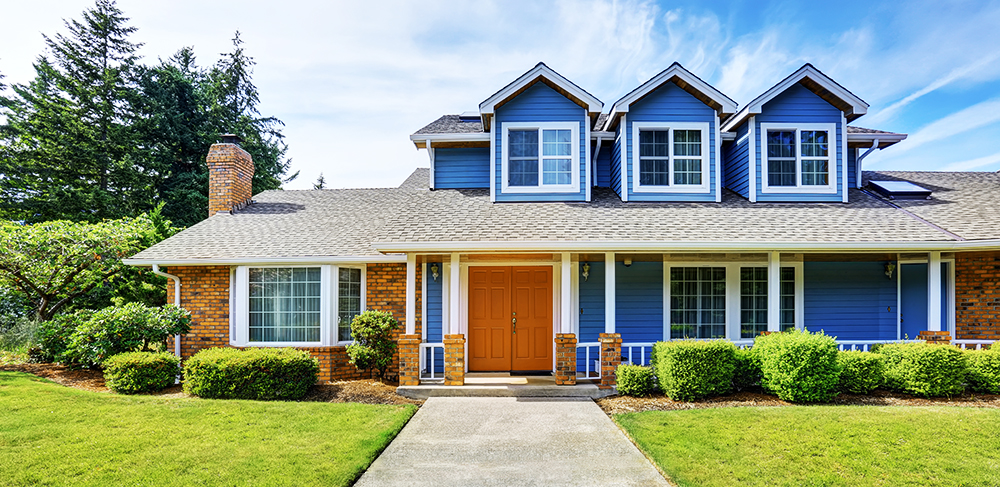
787	298
753	301
523	166
348	300
285	304
807	166
781	159
655	157
698	302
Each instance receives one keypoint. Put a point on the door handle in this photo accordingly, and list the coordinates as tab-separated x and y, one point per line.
513	321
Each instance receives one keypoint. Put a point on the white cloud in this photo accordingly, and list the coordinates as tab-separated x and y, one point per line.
978	115
973	164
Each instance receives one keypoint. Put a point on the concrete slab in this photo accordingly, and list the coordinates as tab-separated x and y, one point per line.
511	441
505	385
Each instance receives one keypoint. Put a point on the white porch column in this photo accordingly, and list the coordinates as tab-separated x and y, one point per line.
934	291
774	291
454	292
411	294
566	300
609	292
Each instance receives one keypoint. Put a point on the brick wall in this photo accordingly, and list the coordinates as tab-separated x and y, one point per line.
205	293
977	296
230	178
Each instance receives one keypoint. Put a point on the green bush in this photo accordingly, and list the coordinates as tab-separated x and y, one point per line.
634	380
861	372
688	370
799	366
923	369
373	345
54	336
138	372
132	327
747	373
254	373
984	369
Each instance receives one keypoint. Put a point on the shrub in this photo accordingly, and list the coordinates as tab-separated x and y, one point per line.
923	369
138	372
984	370
18	334
799	366
634	380
861	372
54	336
688	370
132	327
254	373
747	372
373	342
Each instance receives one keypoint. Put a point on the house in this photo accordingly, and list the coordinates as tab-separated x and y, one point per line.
550	234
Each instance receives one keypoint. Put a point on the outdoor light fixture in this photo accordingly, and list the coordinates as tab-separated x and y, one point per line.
434	272
586	271
628	262
889	267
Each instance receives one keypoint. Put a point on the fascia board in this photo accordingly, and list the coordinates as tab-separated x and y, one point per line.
624	246
622	105
593	104
349	259
858	105
457	137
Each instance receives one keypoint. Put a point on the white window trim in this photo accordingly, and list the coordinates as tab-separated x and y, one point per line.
239	310
733	298
799	188
573	187
672	188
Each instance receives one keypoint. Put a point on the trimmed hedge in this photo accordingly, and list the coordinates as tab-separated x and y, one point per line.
634	380
688	370
923	369
253	373
747	373
984	369
799	366
139	372
862	372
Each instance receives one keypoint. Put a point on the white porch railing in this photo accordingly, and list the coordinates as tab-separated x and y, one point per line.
865	345
427	361
976	344
589	360
628	350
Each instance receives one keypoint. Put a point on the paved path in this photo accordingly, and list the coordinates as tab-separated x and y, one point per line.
511	441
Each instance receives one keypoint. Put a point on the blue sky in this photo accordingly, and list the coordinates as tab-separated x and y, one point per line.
353	80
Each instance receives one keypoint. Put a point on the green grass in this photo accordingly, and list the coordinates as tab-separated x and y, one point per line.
822	445
55	435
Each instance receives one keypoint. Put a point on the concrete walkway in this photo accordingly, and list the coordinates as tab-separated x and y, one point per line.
511	441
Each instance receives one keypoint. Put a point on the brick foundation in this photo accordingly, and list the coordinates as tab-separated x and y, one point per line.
977	296
935	337
611	356
565	359
409	360
454	360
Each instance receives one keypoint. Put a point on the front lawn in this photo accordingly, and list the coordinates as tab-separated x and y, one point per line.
55	435
821	445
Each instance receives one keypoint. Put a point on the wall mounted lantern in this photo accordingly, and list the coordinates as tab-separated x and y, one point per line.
889	267
628	262
586	271
434	272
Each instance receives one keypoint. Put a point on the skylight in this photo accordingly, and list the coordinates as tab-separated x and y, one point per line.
900	190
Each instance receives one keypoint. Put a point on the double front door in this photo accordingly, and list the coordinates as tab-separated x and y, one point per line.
510	318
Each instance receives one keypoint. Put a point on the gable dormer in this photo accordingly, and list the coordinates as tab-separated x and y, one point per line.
667	139
791	141
539	128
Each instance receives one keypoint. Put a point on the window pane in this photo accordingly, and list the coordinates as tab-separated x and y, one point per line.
557	143
523	143
654	172
523	173
753	301
349	300
780	172
557	171
780	143
687	143
654	143
787	298
279	306
814	143
697	302
815	173
687	171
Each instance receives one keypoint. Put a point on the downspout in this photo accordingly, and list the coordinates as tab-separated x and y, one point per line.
177	302
861	158
593	162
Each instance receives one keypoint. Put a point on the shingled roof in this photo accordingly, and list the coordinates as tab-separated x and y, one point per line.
347	223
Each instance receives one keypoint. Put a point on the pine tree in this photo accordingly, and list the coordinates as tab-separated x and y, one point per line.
320	182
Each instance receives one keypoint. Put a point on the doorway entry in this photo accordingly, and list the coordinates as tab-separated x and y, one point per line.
510	318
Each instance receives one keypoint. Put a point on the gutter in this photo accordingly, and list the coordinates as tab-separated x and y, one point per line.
857	163
350	259
177	302
626	246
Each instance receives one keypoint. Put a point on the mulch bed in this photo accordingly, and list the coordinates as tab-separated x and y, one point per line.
361	391
756	398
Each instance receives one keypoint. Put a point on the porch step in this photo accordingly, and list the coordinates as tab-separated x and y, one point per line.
499	385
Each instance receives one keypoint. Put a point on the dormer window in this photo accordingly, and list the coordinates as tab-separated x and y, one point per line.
670	157
541	157
799	159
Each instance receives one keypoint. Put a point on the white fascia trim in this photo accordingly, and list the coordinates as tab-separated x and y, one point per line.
622	105
493	164
842	161
705	157
597	134
347	260
728	136
586	147
718	161
573	187
467	137
623	157
666	246
869	138
831	158
752	155
541	70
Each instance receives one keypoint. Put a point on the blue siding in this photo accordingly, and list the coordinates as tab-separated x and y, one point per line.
434	317
616	162
913	287
639	301
670	103
799	105
462	168
852	168
850	300
592	304
539	103
603	177
736	162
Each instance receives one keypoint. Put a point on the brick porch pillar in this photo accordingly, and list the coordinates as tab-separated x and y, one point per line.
409	360
454	360
935	337
611	356
565	359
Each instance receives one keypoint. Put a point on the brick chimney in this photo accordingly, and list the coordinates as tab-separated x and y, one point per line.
230	176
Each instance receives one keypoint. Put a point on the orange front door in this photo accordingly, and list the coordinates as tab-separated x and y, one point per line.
510	318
